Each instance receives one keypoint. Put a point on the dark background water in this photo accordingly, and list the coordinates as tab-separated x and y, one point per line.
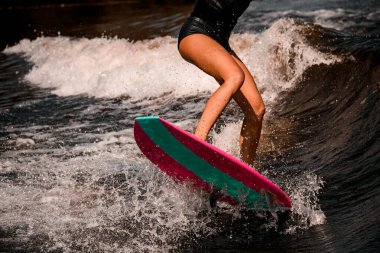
330	119
135	20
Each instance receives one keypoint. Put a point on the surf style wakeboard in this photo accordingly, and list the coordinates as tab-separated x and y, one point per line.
185	157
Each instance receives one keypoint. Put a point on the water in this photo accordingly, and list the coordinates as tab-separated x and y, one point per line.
74	76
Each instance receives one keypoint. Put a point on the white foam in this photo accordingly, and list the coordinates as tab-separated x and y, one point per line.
57	205
64	199
24	142
228	138
279	56
304	195
338	18
104	67
303	189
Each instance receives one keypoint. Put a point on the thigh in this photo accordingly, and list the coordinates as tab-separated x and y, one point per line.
208	55
248	97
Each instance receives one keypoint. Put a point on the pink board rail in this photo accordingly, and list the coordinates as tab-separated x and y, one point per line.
184	157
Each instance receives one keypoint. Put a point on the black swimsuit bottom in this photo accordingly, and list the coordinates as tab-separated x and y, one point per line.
214	18
196	25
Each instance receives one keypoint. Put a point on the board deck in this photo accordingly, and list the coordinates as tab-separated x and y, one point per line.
185	157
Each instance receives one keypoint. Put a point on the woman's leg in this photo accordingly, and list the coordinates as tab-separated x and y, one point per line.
250	101
235	80
213	59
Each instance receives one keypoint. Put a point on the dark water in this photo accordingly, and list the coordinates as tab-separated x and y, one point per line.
76	74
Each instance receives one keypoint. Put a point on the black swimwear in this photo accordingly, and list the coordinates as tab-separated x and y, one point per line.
214	18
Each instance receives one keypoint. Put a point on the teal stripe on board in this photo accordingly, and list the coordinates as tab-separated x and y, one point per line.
153	127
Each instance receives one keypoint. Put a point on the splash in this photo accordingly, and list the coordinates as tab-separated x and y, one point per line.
303	189
228	138
127	206
306	210
100	194
112	67
329	18
279	56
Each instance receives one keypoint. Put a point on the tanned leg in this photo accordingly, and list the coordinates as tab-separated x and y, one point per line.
235	81
213	59
250	101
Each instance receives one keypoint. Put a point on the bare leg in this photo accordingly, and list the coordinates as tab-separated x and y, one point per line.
235	81
212	58
250	101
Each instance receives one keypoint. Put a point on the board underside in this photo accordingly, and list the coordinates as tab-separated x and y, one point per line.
184	157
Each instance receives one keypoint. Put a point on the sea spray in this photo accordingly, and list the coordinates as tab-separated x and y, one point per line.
112	67
83	185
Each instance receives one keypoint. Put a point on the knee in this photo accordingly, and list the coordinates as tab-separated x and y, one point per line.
235	79
260	111
256	112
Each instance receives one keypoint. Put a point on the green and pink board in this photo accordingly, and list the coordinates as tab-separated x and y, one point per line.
185	157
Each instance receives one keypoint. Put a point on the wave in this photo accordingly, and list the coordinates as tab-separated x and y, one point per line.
338	19
111	67
84	185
